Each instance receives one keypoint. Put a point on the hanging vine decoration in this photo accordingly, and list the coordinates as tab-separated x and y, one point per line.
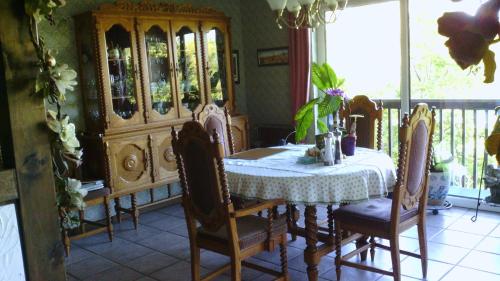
53	81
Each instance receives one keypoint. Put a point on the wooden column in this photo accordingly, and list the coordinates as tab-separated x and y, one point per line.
42	248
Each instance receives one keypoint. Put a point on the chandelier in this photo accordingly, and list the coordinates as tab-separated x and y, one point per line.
306	13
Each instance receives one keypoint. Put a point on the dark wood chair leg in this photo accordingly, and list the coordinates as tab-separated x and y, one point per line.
338	247
361	242
109	224
283	257
118	210
235	269
195	263
329	209
65	240
422	241
396	262
292	217
372	248
81	215
135	211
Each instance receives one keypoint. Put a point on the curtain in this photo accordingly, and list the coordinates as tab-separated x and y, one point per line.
300	66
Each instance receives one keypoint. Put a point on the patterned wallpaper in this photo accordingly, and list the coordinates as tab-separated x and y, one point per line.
62	38
267	88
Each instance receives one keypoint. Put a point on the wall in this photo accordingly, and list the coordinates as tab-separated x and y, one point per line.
61	37
267	88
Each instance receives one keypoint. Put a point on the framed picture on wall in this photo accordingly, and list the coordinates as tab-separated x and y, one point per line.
272	56
236	66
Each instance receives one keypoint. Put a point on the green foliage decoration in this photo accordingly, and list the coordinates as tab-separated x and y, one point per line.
52	84
331	98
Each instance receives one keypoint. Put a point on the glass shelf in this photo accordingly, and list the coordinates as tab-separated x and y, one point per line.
159	70
216	61
121	71
187	68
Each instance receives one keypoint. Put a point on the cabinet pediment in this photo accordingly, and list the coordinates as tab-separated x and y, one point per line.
151	6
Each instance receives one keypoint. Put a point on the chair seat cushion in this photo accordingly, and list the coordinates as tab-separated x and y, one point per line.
252	230
375	213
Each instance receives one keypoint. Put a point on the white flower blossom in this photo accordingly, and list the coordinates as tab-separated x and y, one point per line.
77	193
64	78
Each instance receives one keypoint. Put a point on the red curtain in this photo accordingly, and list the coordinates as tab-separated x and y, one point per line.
300	66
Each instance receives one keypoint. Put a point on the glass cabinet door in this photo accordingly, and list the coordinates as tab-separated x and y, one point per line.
121	84
190	90
218	67
157	65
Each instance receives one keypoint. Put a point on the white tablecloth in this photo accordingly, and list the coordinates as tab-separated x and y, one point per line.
367	174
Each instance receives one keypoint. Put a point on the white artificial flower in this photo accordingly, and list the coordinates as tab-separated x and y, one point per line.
77	193
64	79
52	121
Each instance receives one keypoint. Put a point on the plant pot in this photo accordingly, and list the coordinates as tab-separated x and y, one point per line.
439	185
495	194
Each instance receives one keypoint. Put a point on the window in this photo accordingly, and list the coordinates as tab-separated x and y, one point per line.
364	47
434	74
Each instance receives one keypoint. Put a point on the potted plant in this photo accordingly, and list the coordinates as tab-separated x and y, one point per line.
444	173
327	82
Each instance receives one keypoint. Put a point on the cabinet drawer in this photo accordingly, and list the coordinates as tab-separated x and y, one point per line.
129	163
239	130
164	162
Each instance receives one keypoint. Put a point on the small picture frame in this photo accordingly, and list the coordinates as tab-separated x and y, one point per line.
272	56
236	66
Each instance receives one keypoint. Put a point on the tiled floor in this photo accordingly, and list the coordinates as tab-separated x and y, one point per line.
159	250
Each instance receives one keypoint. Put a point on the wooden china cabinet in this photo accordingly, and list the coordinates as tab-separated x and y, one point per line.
145	67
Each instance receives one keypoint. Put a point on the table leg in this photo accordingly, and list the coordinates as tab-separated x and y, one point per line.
311	257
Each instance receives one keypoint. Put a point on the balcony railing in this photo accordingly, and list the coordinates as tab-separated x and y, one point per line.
461	124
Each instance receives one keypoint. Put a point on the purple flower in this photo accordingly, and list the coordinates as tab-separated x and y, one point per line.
335	93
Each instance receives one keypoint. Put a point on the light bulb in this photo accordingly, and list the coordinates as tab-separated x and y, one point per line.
332	4
277	5
305	2
293	6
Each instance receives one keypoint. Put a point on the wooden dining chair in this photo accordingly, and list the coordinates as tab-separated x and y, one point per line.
387	218
212	117
205	197
372	115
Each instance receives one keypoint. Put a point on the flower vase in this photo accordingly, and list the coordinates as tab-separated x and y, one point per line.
348	145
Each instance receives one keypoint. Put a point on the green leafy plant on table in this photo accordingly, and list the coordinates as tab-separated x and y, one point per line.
328	102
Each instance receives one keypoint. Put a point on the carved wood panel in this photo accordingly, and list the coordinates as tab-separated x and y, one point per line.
164	162
129	162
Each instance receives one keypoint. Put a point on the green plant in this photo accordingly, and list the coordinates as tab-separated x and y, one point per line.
444	162
326	81
441	158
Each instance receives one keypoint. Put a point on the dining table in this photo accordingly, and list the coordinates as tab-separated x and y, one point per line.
285	173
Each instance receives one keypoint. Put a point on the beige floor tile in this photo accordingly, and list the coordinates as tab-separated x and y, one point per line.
461	273
457	238
413	268
490	245
482	261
